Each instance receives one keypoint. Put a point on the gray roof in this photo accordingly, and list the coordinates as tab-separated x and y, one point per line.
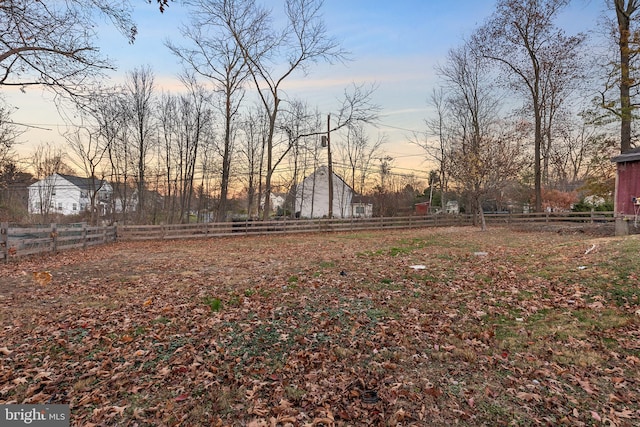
629	156
84	183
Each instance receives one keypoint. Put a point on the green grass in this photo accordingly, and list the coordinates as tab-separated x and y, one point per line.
215	304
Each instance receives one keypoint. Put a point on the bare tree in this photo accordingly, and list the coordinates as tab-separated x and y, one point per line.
483	156
168	130
10	174
140	106
8	134
623	72
523	39
628	48
254	130
90	150
273	56
438	151
213	53
300	123
579	141
357	152
191	131
112	116
46	161
560	79
52	43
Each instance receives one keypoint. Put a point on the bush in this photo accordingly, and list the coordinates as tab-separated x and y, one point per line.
583	206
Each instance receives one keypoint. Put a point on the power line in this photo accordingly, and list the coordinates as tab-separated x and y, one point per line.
33	125
400	128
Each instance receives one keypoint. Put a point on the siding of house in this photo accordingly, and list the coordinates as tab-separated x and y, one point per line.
362	210
312	196
63	196
56	191
627	187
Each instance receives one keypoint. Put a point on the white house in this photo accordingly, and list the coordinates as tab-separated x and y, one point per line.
276	201
312	197
361	207
68	195
452	207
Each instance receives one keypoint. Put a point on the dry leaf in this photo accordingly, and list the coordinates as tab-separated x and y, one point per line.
528	397
42	277
586	386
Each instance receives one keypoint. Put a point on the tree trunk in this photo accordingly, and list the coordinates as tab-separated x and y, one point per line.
226	161
624	21
267	180
537	157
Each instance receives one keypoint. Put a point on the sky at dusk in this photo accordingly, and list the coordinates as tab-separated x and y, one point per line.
392	44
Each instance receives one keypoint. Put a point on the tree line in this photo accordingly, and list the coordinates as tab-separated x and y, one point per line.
515	117
560	134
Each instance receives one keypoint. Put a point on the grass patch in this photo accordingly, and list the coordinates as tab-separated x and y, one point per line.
215	304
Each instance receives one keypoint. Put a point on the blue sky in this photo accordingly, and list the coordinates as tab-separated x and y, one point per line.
393	44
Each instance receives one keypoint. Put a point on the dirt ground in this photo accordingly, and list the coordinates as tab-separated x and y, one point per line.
425	327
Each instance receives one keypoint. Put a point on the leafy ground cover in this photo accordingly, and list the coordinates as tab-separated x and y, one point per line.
423	327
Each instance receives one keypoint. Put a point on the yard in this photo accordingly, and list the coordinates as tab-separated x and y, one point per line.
428	327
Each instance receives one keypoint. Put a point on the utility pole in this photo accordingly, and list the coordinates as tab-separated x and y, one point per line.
330	166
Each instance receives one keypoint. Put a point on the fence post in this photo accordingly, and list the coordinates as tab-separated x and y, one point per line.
54	238
4	240
84	235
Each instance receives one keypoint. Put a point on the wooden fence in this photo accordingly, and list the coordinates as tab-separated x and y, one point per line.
284	226
17	241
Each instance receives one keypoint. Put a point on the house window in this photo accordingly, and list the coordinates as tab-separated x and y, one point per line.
60	205
360	210
75	206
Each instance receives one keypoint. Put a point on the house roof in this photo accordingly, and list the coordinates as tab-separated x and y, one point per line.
84	183
80	182
629	156
325	170
357	198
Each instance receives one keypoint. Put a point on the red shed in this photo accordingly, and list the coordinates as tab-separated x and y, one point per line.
422	208
627	197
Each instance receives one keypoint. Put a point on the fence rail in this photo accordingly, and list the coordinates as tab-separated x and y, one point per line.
17	241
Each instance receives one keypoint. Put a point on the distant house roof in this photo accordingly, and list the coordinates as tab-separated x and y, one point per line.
323	170
629	156
357	198
83	183
80	182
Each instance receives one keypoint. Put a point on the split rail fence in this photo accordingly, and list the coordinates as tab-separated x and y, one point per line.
19	241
